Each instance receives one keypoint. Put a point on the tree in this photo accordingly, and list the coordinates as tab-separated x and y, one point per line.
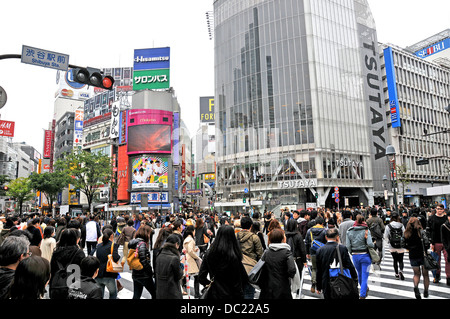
87	172
50	184
403	177
20	189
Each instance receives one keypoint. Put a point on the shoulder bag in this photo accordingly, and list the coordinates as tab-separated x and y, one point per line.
428	261
343	287
373	253
254	275
111	265
315	244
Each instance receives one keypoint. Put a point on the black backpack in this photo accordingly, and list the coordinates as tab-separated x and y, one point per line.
396	237
58	286
375	230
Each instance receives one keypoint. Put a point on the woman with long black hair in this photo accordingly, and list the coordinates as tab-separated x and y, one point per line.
223	263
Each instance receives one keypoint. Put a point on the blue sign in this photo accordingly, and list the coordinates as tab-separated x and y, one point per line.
151	59
176	179
392	87
433	49
246	190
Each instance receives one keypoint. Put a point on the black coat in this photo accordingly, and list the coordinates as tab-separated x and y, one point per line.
299	249
324	258
278	268
229	277
65	256
103	250
144	258
168	273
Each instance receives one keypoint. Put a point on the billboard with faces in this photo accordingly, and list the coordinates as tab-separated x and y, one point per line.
148	171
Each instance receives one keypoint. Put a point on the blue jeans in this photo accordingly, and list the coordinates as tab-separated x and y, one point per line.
110	284
362	264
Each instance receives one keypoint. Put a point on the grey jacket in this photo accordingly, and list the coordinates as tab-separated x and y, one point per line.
355	241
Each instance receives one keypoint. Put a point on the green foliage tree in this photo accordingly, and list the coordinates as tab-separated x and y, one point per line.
20	189
87	172
50	184
403	178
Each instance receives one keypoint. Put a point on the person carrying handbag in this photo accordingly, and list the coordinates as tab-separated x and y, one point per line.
105	278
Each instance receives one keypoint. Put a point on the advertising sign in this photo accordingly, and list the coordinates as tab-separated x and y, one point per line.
153	197
48	143
148	171
149	131
392	87
151	69
115	120
176	139
7	128
152	59
433	49
78	131
207	109
151	79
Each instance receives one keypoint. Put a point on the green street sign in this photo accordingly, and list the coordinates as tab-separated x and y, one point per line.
151	79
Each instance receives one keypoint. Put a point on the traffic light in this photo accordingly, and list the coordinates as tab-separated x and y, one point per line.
92	77
317	195
5	188
244	200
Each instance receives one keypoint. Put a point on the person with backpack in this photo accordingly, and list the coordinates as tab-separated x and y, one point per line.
252	251
326	256
315	238
142	277
67	252
394	234
377	229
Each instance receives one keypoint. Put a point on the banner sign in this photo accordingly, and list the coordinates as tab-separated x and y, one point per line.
7	128
151	69
48	143
392	87
207	109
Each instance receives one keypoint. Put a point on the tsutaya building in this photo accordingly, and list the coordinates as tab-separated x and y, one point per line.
299	105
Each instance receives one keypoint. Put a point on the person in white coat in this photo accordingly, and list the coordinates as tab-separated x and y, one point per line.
393	233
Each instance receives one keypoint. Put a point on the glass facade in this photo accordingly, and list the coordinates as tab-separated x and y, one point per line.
290	101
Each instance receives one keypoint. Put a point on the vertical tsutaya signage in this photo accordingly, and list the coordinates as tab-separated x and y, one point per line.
373	94
151	69
48	143
207	109
435	48
392	87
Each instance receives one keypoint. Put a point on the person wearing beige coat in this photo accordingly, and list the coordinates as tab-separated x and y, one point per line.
192	258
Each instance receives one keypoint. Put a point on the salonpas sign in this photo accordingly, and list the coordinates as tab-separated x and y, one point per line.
301	183
151	79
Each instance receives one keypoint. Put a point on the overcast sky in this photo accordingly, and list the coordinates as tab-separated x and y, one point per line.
97	34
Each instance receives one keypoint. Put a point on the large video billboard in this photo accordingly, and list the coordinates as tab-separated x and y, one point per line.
149	131
148	171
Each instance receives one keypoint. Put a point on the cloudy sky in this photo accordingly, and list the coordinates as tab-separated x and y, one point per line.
105	33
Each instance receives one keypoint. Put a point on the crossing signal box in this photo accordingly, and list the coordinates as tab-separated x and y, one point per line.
92	77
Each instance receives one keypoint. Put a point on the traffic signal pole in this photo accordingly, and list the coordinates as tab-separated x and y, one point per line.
19	56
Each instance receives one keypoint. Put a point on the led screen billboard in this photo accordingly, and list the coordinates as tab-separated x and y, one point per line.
150	138
148	171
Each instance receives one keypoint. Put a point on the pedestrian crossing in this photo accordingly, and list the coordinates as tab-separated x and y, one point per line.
382	284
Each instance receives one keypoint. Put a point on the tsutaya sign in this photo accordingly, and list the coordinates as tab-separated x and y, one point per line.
301	183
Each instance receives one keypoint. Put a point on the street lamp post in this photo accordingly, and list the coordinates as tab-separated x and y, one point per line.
390	154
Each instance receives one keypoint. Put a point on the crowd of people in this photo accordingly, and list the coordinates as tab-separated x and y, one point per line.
44	257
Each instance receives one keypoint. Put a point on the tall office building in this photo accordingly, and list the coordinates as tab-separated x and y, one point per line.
299	106
417	83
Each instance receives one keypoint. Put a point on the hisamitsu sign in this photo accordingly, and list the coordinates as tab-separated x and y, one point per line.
45	58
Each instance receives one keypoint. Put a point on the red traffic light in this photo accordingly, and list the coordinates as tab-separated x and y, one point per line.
93	77
5	188
107	82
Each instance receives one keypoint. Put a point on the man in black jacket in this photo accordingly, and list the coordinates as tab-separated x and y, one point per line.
325	256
